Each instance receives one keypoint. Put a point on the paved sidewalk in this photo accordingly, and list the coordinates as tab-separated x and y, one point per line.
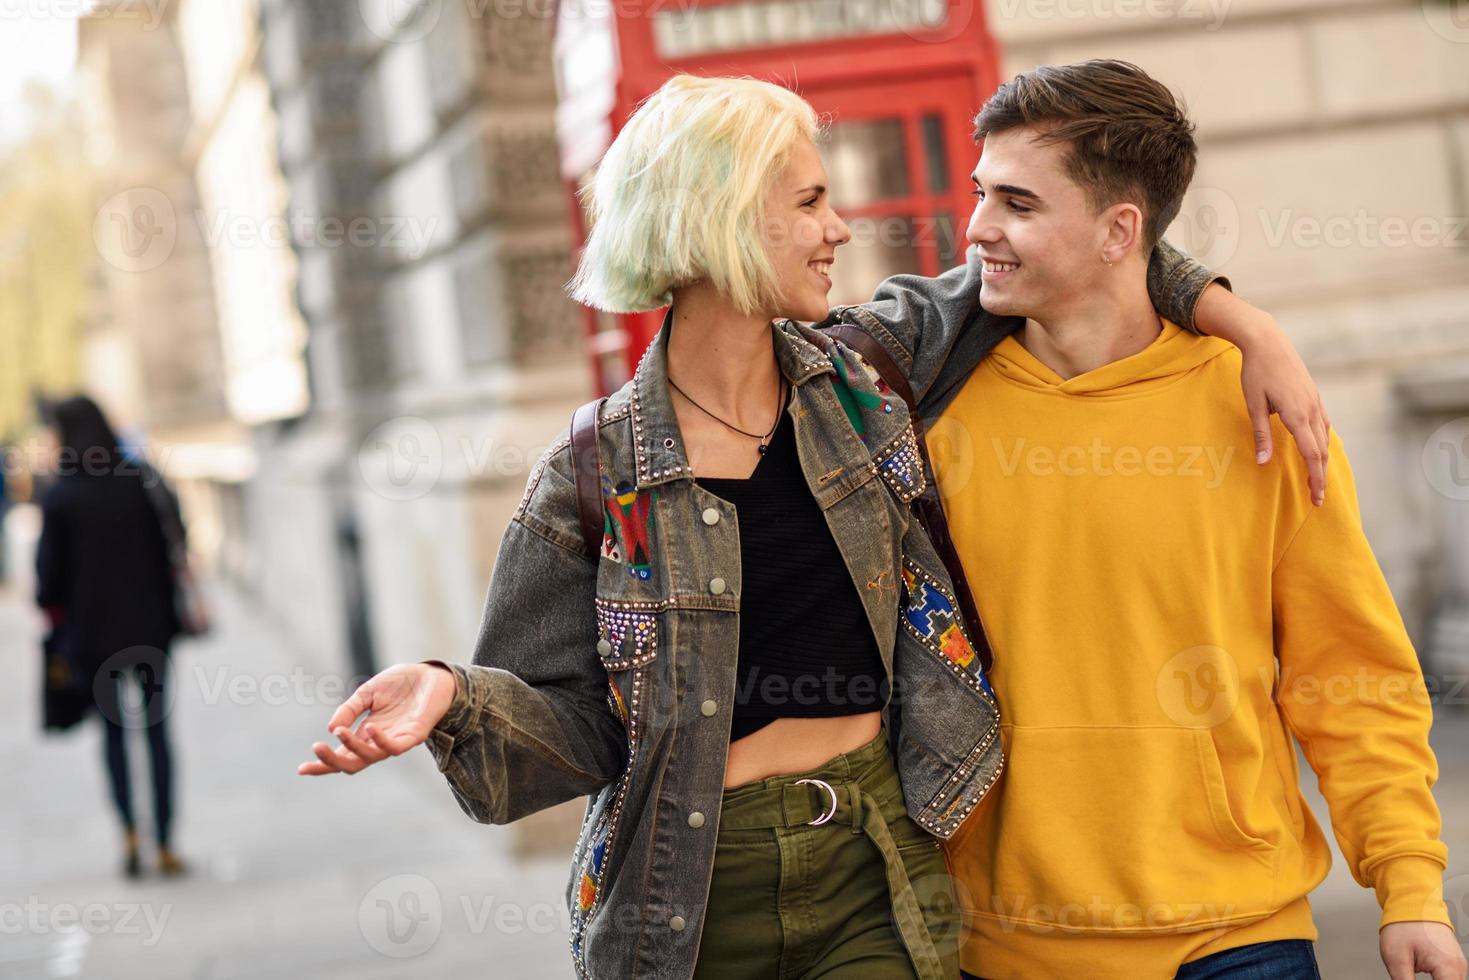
371	877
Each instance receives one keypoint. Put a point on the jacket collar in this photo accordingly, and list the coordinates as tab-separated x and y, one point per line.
658	443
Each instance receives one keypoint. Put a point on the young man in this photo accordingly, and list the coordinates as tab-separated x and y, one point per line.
1164	613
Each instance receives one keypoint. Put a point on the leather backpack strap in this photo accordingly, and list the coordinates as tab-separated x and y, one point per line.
586	472
927	507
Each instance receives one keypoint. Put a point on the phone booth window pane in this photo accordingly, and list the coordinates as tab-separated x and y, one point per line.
880	247
866	161
934	157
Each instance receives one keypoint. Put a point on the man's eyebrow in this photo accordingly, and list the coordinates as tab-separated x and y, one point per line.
1014	190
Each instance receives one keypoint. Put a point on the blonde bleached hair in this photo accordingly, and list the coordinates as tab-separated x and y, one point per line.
679	196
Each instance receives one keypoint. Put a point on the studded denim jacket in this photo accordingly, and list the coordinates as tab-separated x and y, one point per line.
612	675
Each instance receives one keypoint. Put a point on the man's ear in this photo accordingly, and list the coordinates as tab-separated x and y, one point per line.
1124	231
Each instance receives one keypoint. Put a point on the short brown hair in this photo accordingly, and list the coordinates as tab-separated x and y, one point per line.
1127	134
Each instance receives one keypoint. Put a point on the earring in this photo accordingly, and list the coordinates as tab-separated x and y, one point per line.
1104	259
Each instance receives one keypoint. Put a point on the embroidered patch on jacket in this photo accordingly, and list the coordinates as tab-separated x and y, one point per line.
591	876
627	521
614	698
854	400
932	617
592	860
619	626
903	467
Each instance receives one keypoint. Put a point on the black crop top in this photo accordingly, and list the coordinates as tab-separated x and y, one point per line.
806	648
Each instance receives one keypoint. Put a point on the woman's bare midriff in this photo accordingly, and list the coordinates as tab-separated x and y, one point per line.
791	745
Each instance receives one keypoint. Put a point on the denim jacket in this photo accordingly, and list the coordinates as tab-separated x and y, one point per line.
612	675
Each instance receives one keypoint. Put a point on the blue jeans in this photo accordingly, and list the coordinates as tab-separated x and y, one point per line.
1284	959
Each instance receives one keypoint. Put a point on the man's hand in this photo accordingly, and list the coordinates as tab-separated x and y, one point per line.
403	704
1274	378
1411	948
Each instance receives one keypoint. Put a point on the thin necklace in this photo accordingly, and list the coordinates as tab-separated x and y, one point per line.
765	439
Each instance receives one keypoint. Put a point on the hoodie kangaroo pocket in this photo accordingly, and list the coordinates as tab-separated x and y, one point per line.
1115	830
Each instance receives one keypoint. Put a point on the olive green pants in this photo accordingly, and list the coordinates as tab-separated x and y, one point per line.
863	895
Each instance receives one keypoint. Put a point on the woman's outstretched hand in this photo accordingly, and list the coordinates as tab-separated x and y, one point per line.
403	704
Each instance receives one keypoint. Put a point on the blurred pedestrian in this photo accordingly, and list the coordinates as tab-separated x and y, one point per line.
104	577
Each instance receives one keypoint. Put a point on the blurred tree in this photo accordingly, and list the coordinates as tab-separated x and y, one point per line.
46	258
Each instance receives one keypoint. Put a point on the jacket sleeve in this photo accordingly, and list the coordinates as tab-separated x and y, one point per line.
1354	694
937	331
530	725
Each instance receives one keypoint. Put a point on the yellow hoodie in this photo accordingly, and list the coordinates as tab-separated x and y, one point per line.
1164	611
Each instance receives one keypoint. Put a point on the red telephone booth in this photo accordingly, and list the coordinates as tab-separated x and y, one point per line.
898	80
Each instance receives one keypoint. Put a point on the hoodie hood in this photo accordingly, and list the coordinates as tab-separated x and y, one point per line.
1173	353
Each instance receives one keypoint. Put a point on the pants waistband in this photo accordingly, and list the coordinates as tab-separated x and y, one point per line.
795	799
859	789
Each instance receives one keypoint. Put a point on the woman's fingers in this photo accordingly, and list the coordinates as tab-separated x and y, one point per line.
392	745
317	768
348	710
331	760
360	747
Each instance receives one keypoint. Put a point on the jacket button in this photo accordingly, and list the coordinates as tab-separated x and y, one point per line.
677	923
696	820
709	708
604	647
711	516
716	585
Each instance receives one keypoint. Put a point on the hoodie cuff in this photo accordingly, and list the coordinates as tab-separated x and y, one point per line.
1410	889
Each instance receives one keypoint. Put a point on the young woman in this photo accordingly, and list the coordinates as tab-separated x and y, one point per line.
758	676
106	583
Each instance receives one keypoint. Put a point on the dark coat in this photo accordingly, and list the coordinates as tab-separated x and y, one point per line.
104	562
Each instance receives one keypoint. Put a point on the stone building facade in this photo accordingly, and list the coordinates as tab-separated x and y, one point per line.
442	352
